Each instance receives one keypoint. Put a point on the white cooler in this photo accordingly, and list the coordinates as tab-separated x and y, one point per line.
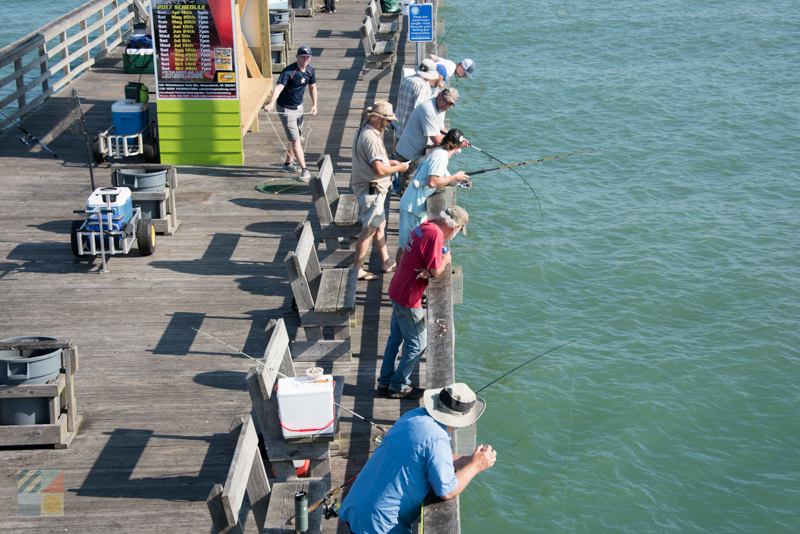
304	407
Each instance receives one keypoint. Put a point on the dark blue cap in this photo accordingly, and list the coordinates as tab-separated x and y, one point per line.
304	51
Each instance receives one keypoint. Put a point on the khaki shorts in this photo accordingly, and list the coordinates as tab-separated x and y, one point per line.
292	120
371	210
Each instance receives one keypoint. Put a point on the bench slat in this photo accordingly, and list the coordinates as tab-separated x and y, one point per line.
347	212
322	351
329	288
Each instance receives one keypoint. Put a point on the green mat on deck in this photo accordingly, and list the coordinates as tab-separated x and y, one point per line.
289	186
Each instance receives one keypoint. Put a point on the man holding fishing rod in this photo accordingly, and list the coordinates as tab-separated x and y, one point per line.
431	174
414	458
425	127
370	180
288	95
423	258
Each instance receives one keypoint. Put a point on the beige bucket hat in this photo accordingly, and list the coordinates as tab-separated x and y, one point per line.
455	405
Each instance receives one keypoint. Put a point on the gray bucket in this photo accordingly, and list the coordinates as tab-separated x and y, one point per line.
276	39
279	17
142	179
19	367
151	209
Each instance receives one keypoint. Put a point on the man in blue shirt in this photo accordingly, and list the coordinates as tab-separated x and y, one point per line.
414	458
288	95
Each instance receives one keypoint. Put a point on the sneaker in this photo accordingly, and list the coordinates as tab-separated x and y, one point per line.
304	175
290	167
383	390
407	392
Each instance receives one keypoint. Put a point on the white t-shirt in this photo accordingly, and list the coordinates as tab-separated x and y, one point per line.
418	191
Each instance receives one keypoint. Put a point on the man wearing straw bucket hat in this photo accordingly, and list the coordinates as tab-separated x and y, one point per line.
414	458
370	179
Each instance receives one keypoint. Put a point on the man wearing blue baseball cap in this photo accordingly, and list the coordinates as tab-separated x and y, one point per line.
288	95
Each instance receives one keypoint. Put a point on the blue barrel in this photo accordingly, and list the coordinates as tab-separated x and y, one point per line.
18	367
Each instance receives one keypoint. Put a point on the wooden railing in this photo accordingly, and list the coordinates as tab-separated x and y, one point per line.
63	49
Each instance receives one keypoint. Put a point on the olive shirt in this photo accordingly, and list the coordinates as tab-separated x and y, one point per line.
367	148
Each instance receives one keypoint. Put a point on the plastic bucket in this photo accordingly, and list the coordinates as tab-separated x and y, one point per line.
276	39
278	17
19	367
142	179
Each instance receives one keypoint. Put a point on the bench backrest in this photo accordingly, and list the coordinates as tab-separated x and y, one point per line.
368	36
302	266
324	192
373	11
247	473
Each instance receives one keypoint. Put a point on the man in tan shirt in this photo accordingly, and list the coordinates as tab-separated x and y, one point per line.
370	179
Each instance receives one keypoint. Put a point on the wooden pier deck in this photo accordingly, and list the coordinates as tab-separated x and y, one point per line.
157	398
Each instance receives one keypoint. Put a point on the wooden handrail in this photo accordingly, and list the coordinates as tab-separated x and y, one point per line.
57	61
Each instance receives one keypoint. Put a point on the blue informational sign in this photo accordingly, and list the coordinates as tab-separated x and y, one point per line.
420	23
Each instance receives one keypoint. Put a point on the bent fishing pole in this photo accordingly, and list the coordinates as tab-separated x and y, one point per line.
28	139
524	364
285	376
472	173
515	172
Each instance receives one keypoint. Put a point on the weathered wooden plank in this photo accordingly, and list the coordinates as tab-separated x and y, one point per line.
347	212
258	488
51	389
282	506
316	351
23	435
327	300
239	472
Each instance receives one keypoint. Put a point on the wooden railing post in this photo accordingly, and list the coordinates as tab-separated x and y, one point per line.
115	5
20	83
43	66
61	38
104	42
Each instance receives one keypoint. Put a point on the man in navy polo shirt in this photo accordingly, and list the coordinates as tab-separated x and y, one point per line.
288	94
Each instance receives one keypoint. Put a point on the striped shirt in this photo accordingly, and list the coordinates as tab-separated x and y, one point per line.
414	90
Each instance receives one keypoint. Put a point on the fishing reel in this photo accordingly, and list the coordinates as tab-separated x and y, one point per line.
330	510
464	185
27	141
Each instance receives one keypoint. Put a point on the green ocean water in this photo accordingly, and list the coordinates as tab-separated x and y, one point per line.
671	257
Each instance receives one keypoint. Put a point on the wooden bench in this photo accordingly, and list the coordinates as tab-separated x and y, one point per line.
282	451
324	298
379	53
338	215
334	259
373	11
247	474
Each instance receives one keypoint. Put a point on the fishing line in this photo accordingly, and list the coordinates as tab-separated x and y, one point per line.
524	364
448	32
259	362
472	173
569	444
515	172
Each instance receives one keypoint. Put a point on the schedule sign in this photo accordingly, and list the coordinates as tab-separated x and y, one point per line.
195	49
420	23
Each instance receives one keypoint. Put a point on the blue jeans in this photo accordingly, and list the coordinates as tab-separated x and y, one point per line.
408	328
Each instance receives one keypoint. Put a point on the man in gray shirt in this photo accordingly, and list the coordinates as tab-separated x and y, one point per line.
425	127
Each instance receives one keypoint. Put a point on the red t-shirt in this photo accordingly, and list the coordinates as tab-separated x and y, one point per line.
423	250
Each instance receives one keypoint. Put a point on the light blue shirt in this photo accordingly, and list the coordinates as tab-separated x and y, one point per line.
414	457
418	191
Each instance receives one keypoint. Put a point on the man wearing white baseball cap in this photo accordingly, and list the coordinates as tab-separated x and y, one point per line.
414	458
462	70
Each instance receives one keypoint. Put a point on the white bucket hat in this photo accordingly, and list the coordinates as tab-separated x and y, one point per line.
455	405
427	70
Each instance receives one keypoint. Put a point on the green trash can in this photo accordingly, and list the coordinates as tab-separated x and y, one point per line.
18	367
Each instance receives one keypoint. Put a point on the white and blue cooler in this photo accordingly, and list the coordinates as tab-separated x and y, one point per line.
117	199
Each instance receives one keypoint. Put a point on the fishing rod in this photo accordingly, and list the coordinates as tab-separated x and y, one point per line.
515	172
28	139
285	376
472	173
448	32
330	511
524	364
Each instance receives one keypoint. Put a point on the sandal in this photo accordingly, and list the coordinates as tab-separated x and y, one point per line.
368	276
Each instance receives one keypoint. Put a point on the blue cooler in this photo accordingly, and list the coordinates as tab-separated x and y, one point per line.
120	202
129	117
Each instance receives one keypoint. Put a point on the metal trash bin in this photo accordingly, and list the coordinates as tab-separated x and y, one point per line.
19	367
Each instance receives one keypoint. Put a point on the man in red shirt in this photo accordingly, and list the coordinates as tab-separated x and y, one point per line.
423	257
